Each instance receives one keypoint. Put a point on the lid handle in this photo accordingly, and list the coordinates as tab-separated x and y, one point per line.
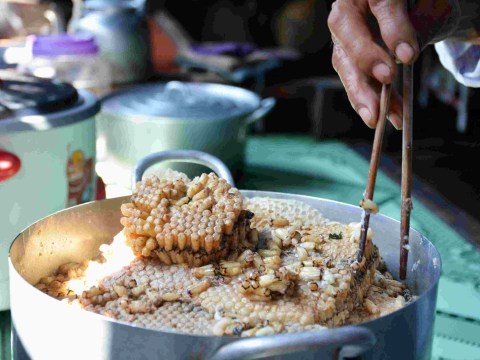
179	92
9	165
191	156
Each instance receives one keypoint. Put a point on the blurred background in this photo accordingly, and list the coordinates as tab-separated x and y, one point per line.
277	49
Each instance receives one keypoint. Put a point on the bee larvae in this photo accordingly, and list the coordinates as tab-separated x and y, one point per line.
195	242
249	332
269	252
312	238
310	273
138	306
170	297
279	286
120	290
228	226
182	201
139	290
308	245
201	195
220	326
257	261
182	241
267	280
151	244
262	292
245	258
281	234
230	268
265	331
301	253
207	270
329	278
371	307
393	283
313	286
272	260
199	288
245	286
272	245
254	275
280	222
399	302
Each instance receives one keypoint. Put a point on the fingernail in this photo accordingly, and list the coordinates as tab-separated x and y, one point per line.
404	52
395	120
381	71
365	115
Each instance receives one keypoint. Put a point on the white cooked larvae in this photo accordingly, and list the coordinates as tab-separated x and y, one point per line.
369	205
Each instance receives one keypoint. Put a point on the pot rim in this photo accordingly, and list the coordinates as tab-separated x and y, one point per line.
87	107
246	193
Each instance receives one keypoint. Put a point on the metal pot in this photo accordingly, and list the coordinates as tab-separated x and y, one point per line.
47	156
75	234
141	120
121	31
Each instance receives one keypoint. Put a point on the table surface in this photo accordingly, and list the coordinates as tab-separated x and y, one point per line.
332	170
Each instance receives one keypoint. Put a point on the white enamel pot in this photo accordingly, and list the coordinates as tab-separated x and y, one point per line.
47	163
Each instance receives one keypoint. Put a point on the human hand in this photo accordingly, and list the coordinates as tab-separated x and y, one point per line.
370	36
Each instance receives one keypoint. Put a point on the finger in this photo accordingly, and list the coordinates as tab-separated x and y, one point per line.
396	29
348	25
396	110
361	93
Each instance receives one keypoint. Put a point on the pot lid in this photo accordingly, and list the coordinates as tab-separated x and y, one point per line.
22	94
30	103
182	100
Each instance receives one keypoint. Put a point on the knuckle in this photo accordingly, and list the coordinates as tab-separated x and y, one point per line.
336	62
333	19
339	58
351	86
375	4
338	14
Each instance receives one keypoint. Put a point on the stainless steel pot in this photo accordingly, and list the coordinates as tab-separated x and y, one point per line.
144	119
76	233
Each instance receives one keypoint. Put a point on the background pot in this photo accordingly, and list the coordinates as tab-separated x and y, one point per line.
138	121
47	160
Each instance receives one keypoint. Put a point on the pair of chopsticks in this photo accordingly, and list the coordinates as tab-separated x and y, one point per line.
406	184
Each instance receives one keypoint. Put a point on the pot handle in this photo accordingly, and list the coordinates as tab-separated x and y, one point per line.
353	341
10	164
191	156
266	105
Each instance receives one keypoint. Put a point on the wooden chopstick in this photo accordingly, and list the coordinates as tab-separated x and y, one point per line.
406	168
374	162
